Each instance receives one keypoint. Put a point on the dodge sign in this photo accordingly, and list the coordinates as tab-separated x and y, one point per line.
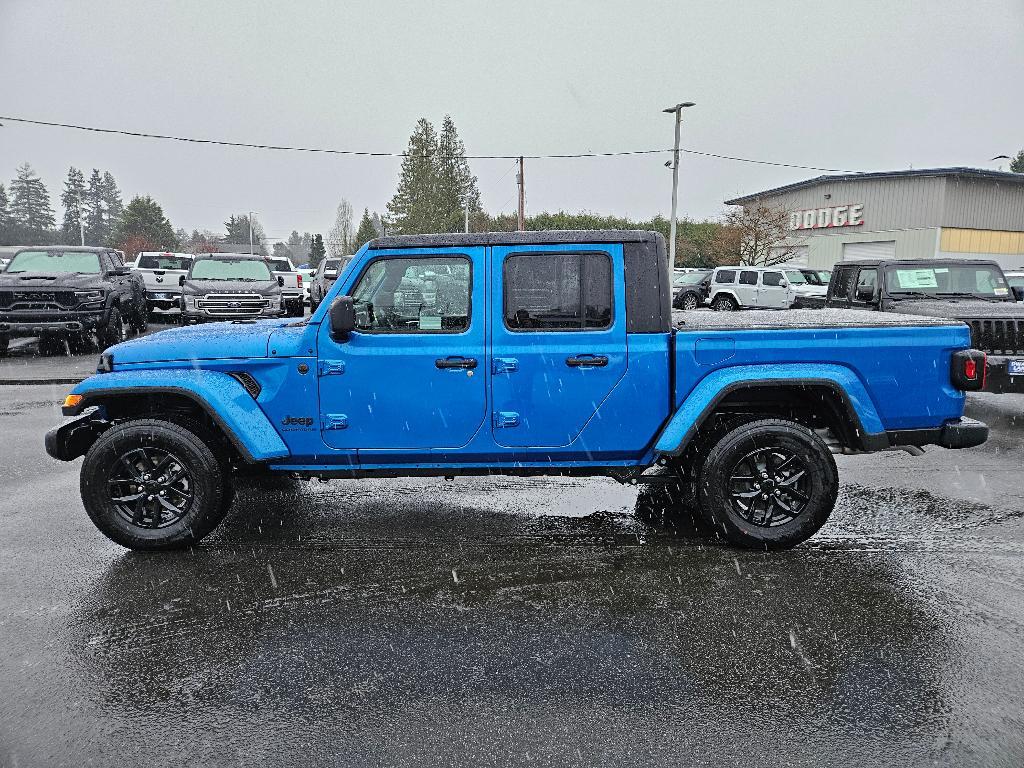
823	218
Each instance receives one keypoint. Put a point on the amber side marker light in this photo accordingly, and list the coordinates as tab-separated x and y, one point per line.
72	400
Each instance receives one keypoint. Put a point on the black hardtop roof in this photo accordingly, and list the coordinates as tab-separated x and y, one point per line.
923	263
541	237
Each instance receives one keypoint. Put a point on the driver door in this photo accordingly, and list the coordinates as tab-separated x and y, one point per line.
412	373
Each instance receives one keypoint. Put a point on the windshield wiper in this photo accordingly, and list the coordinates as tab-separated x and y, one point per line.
969	295
922	294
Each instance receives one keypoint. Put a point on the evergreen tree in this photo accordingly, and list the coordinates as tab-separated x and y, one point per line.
30	207
282	251
73	200
6	225
144	227
414	208
366	231
456	185
112	203
237	228
1017	165
316	251
96	230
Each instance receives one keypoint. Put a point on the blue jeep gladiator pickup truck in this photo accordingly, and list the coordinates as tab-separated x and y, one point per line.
528	353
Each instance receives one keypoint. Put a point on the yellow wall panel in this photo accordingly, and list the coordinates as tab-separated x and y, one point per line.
954	240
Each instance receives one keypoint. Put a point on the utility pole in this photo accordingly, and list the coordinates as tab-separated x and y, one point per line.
467	216
678	110
251	252
521	180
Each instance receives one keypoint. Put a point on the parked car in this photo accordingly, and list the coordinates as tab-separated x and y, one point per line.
532	365
733	288
327	272
83	295
291	285
307	282
230	286
809	291
160	273
690	289
973	291
1016	279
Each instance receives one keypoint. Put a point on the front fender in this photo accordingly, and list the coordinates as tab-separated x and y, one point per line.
702	400
223	398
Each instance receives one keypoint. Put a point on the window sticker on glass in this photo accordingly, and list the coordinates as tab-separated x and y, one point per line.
1000	291
430	322
916	278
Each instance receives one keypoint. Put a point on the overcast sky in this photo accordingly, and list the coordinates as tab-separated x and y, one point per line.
861	86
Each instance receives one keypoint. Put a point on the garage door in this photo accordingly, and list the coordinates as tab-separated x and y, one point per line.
796	255
885	249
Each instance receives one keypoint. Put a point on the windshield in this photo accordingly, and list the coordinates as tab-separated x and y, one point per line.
947	280
230	269
67	262
163	261
796	277
280	265
689	278
825	275
1015	281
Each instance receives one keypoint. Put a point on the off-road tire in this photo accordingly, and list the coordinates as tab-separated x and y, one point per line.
5	344
200	514
717	487
50	345
724	304
139	322
80	344
112	332
689	302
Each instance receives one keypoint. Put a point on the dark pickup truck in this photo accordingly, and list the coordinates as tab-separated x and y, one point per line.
81	294
973	291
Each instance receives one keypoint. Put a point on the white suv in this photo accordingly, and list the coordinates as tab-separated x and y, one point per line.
755	287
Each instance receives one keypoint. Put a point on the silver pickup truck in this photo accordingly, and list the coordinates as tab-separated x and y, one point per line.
160	272
291	288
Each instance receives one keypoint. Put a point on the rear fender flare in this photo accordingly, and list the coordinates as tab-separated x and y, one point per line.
713	388
222	397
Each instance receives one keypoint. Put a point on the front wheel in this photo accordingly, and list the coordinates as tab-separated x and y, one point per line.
113	332
724	304
150	484
690	302
768	484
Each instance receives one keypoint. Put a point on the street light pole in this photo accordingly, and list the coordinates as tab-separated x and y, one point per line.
81	222
250	234
678	110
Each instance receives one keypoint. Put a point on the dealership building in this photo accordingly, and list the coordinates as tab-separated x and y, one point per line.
916	214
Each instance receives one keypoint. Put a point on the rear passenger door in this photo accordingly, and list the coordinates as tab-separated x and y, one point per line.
558	340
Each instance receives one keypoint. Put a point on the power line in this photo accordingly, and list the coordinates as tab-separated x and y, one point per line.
365	153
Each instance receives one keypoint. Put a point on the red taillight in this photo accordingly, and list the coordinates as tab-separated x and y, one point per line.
299	277
970	368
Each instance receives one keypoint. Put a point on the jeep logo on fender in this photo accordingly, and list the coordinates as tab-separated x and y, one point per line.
297	421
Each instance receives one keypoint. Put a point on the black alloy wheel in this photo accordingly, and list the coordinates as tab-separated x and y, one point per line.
767	484
150	487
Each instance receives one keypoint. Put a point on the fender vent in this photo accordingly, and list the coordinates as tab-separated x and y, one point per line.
246	380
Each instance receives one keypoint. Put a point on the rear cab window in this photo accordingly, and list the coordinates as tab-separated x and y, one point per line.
557	291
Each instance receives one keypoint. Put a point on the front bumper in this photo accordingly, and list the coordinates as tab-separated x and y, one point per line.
202	316
73	438
1000	379
34	324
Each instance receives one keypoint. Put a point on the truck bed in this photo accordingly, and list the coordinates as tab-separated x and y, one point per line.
769	319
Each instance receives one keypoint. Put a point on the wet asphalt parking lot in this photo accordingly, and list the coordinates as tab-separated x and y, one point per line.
498	621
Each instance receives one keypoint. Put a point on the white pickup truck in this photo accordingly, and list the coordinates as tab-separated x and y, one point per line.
291	288
160	272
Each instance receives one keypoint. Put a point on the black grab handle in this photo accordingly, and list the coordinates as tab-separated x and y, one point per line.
455	362
587	361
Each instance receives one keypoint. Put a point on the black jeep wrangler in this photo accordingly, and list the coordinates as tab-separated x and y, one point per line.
84	295
973	290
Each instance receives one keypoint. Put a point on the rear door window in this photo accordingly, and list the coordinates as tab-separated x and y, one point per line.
558	291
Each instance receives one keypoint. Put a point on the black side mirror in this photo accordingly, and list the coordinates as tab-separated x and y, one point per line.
343	317
865	293
1018	292
181	279
280	281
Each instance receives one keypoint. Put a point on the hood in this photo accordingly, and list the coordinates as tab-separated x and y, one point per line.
202	287
958	309
806	289
52	280
211	341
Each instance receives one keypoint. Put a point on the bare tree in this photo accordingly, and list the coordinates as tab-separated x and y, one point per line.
342	235
754	236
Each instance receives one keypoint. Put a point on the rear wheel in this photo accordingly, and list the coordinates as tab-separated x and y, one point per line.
768	484
724	304
150	484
